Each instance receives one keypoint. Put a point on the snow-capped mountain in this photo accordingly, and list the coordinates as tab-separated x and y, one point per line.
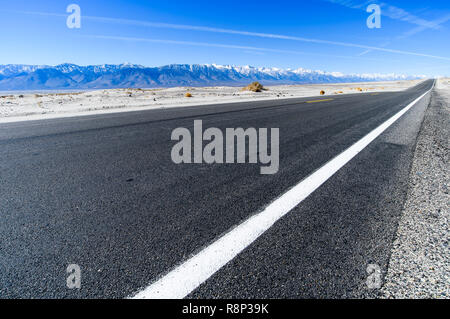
71	76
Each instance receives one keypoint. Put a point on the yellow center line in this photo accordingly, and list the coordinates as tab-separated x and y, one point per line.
315	101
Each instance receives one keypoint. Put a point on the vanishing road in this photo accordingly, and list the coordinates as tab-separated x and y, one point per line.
102	192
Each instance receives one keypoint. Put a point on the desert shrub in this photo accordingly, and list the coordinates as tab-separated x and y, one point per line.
254	87
66	93
322	92
188	94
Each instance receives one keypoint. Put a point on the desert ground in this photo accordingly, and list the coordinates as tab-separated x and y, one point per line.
36	105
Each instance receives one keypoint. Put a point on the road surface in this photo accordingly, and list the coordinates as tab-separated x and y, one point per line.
102	192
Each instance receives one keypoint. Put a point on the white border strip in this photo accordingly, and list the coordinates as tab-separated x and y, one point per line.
182	280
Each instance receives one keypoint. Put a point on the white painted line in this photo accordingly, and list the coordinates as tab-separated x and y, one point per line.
186	277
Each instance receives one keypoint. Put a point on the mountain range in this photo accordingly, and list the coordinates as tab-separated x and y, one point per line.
71	76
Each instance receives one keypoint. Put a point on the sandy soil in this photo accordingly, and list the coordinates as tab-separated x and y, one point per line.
15	107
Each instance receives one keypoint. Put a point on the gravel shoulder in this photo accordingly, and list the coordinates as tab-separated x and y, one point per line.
420	262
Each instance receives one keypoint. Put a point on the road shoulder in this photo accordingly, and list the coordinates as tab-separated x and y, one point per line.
419	266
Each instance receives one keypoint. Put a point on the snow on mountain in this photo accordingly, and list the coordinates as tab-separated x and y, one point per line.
72	76
14	69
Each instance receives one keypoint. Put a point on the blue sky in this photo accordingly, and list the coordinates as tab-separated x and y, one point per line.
330	35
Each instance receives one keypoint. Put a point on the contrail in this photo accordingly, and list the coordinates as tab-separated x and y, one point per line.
412	32
418	29
219	45
392	12
239	32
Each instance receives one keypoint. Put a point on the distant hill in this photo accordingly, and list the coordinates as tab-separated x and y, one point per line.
71	76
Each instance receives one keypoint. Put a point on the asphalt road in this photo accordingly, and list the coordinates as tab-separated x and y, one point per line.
102	192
